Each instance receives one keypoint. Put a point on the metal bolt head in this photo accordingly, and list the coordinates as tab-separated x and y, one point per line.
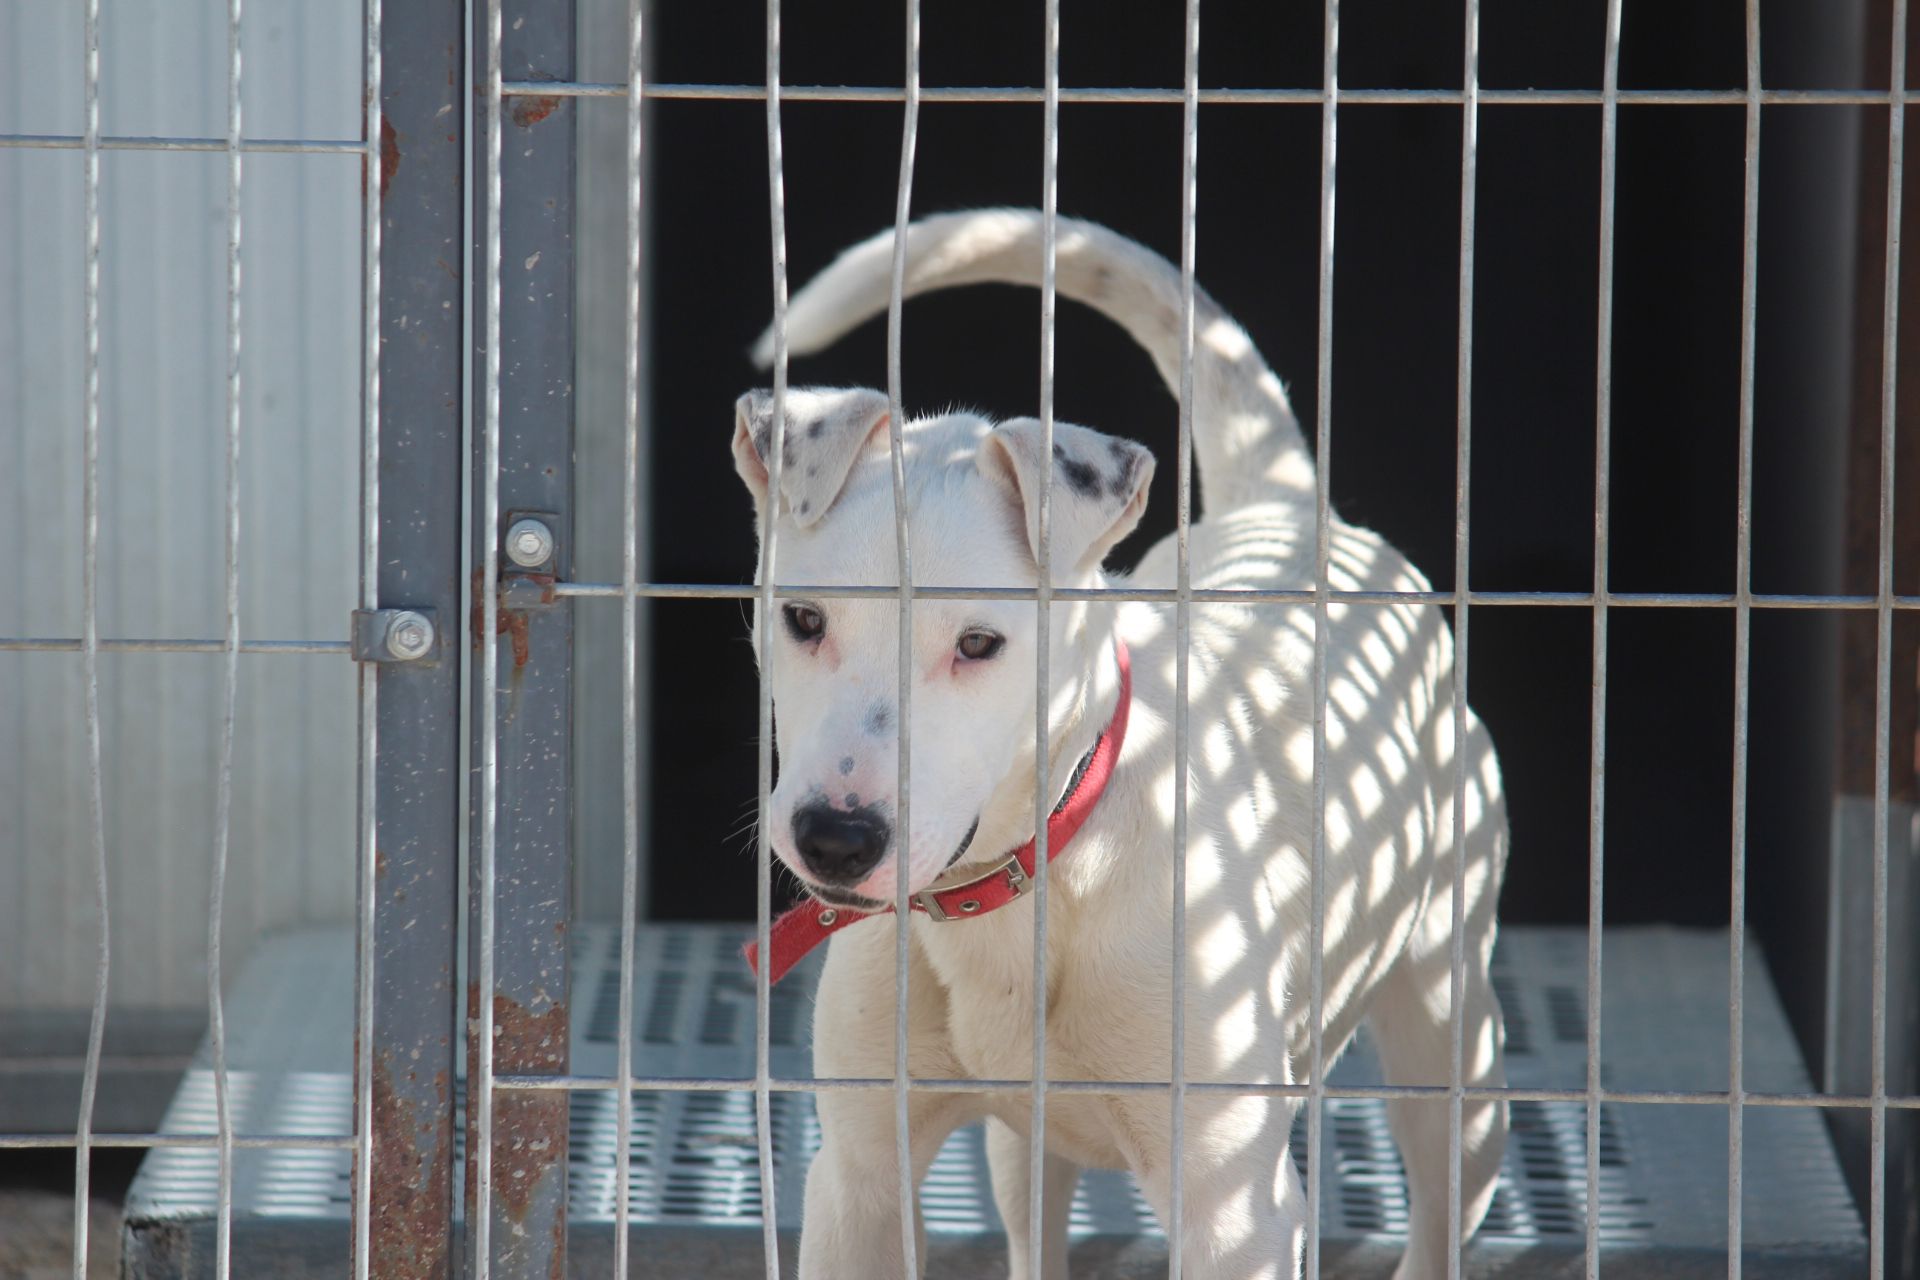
529	543
409	635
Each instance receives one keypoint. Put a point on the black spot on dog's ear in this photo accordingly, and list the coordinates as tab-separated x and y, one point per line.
1126	462
806	506
763	442
1080	476
814	430
879	718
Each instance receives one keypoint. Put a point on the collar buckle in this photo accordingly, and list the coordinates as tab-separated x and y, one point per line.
964	897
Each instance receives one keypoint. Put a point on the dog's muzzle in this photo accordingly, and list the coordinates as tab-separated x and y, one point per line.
840	847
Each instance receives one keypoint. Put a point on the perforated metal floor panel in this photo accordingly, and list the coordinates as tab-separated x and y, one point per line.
695	1188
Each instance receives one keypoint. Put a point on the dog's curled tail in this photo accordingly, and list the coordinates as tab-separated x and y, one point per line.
1246	439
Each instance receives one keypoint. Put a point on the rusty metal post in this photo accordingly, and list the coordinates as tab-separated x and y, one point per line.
403	1205
521	868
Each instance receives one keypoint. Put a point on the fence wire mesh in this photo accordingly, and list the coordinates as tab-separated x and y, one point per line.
630	591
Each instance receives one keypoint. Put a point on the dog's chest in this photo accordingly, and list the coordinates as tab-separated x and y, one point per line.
993	1039
1078	1126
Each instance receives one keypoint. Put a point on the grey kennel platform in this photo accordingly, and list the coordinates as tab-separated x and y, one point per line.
695	1193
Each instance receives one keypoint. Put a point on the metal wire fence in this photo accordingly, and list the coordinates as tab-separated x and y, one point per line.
490	1085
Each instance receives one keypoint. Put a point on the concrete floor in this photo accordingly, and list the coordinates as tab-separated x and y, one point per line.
36	1236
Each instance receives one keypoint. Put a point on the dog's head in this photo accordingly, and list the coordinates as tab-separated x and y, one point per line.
973	493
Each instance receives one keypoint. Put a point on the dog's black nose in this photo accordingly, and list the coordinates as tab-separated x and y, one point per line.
840	848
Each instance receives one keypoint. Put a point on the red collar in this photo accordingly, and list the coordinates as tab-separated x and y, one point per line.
806	926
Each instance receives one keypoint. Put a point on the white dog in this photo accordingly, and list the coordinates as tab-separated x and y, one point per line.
973	489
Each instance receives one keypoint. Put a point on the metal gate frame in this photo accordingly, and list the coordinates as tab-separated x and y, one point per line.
411	716
518	718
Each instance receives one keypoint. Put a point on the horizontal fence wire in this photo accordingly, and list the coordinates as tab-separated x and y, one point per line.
1005	94
1175	97
1137	595
1053	1084
156	1141
78	142
78	644
1239	595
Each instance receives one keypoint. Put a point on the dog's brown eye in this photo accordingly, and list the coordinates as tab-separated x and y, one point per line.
977	645
804	622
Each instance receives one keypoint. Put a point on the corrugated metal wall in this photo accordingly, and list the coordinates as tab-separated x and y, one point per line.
162	342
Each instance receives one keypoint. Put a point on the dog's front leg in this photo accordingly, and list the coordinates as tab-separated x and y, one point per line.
850	1229
851	1225
1008	1160
1243	1212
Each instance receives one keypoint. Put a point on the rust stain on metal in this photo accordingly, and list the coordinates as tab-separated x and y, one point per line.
531	111
514	623
529	1129
529	1148
410	1192
389	154
527	1042
473	1103
511	623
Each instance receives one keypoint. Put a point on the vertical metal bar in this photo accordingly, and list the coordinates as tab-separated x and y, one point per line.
368	814
480	1020
90	644
1462	565
1322	515
1043	639
903	548
1877	1245
1183	631
1742	664
1602	463
776	449
223	799
412	461
526	886
629	645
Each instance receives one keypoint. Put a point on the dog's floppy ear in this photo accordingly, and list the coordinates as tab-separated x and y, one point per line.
1099	486
826	428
